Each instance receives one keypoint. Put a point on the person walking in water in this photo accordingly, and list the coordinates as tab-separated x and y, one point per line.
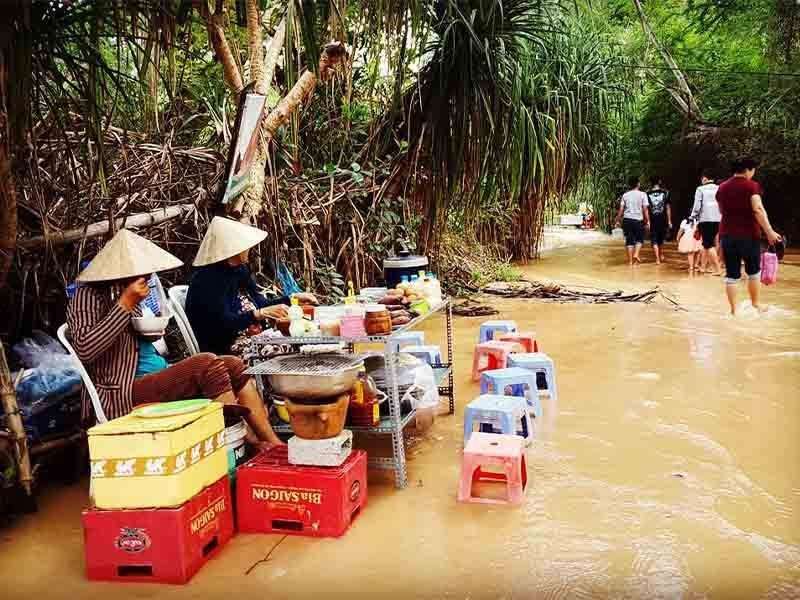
660	216
743	219
706	213
633	214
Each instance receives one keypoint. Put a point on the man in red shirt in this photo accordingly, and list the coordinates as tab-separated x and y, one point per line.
743	219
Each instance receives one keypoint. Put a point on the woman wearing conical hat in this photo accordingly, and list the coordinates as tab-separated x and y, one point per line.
100	323
224	305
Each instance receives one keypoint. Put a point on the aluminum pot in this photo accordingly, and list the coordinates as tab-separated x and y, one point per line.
314	387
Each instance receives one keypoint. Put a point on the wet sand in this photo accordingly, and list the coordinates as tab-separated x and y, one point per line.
669	468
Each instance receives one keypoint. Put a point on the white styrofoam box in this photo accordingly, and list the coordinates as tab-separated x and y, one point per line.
330	452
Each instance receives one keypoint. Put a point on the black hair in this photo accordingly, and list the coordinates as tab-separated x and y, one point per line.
656	180
707	174
633	182
744	163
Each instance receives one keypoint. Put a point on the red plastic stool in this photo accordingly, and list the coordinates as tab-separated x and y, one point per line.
491	355
526	339
506	451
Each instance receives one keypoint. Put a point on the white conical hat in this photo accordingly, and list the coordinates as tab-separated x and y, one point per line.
226	238
127	255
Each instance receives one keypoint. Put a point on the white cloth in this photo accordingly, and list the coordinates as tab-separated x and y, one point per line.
633	203
706	208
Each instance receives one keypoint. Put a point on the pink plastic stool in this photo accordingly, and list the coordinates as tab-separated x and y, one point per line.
502	450
526	339
491	355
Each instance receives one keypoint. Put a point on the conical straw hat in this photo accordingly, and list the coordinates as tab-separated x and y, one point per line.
127	255
226	238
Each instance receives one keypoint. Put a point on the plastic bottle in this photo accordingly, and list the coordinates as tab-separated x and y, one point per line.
404	283
357	393
296	326
414	286
435	289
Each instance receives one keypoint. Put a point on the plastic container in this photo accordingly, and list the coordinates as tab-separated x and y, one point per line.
405	263
296	326
164	545
274	496
330	328
352	326
281	410
235	446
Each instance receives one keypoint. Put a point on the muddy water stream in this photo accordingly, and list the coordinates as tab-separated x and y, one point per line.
669	467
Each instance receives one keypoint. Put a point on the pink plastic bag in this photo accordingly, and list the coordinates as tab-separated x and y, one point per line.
769	268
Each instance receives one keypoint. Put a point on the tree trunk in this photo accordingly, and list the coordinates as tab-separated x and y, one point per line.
10	407
230	71
255	43
685	98
147	219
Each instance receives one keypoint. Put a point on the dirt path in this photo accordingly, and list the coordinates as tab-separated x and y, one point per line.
668	468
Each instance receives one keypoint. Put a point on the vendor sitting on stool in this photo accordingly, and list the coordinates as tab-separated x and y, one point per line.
123	366
224	305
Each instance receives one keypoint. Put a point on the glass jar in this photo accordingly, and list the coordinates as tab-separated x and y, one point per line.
378	321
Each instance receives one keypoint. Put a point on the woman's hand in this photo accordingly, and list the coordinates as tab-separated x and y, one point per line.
306	298
279	311
132	295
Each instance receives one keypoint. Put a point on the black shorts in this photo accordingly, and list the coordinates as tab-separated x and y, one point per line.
658	229
634	231
709	231
737	250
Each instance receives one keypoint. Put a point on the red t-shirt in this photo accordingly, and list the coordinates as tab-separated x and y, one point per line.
733	197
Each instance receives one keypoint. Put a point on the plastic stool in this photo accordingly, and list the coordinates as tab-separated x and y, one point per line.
491	355
538	362
506	451
407	338
430	354
526	339
488	329
498	414
496	382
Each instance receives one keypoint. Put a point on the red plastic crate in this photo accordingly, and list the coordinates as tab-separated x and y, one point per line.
161	545
274	496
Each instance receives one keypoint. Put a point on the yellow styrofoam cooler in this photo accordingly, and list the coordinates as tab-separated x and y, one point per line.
139	462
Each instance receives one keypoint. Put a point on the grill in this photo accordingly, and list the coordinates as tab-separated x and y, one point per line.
299	364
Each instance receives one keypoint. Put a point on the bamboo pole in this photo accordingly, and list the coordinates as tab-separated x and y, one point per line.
8	397
147	219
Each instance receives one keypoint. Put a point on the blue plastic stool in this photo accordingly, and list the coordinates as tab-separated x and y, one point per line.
498	414
430	354
407	338
497	380
488	329
537	362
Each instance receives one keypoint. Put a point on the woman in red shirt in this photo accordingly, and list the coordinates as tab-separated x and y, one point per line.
743	219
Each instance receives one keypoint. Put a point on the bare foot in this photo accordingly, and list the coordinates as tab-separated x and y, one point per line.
264	446
637	259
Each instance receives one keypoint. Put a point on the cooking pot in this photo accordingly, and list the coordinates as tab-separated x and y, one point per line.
405	263
320	421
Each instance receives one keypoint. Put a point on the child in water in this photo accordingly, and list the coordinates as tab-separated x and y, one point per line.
688	244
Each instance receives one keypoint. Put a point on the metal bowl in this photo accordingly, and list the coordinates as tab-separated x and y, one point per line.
310	377
314	387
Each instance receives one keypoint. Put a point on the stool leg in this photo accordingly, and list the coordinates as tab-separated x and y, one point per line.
484	385
533	396
516	480
509	427
467	425
465	485
550	373
527	427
